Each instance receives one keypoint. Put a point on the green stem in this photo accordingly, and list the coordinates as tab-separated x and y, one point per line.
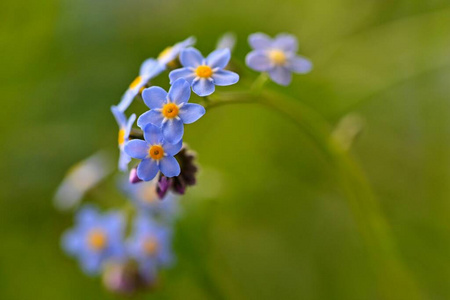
393	278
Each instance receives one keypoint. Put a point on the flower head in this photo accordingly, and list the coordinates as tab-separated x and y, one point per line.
124	133
277	57
168	55
204	74
171	110
150	245
96	239
156	154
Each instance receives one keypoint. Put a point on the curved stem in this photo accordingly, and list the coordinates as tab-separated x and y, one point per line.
393	278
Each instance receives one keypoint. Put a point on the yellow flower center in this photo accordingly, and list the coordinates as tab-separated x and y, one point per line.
165	52
277	57
203	71
156	152
150	246
136	82
170	110
97	240
121	138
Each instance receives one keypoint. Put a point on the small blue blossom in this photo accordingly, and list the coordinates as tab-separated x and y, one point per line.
96	239
277	57
150	245
204	74
124	133
156	154
171	110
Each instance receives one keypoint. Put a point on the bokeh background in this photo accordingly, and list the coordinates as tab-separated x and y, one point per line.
267	219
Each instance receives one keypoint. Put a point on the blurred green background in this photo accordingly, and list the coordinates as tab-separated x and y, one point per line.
267	219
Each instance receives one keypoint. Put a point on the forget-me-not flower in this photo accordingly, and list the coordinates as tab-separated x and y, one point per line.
124	133
171	110
277	57
96	239
150	245
204	74
156	154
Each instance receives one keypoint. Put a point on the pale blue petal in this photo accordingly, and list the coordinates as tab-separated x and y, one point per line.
259	41
191	57
87	215
147	169
169	166
91	263
203	87
180	91
191	112
184	73
127	99
120	117
173	130
218	58
281	75
172	149
258	61
129	125
286	42
150	117
136	149
148	66
70	242
152	134
124	160
224	77
300	65
154	97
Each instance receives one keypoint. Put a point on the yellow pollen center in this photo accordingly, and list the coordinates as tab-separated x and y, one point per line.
121	138
156	152
150	246
136	82
165	52
97	240
203	71
170	110
277	57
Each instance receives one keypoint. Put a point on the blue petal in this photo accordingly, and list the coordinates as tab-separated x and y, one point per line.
120	117
191	57
124	160
258	61
70	242
147	169
87	215
172	149
300	65
286	42
152	134
224	77
184	73
281	75
148	66
259	41
127	99
218	58
154	97
173	130
91	263
169	166
191	112
180	91
150	117
136	149
203	87
129	125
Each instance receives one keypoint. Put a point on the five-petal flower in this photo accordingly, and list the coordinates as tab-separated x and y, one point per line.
277	57
204	74
171	110
96	239
156	154
124	133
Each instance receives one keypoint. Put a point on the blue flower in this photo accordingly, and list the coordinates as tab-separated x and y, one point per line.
150	245
150	68
204	74
156	154
170	110
277	57
96	239
124	133
168	55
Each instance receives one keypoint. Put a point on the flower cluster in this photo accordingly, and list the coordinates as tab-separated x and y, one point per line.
163	165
